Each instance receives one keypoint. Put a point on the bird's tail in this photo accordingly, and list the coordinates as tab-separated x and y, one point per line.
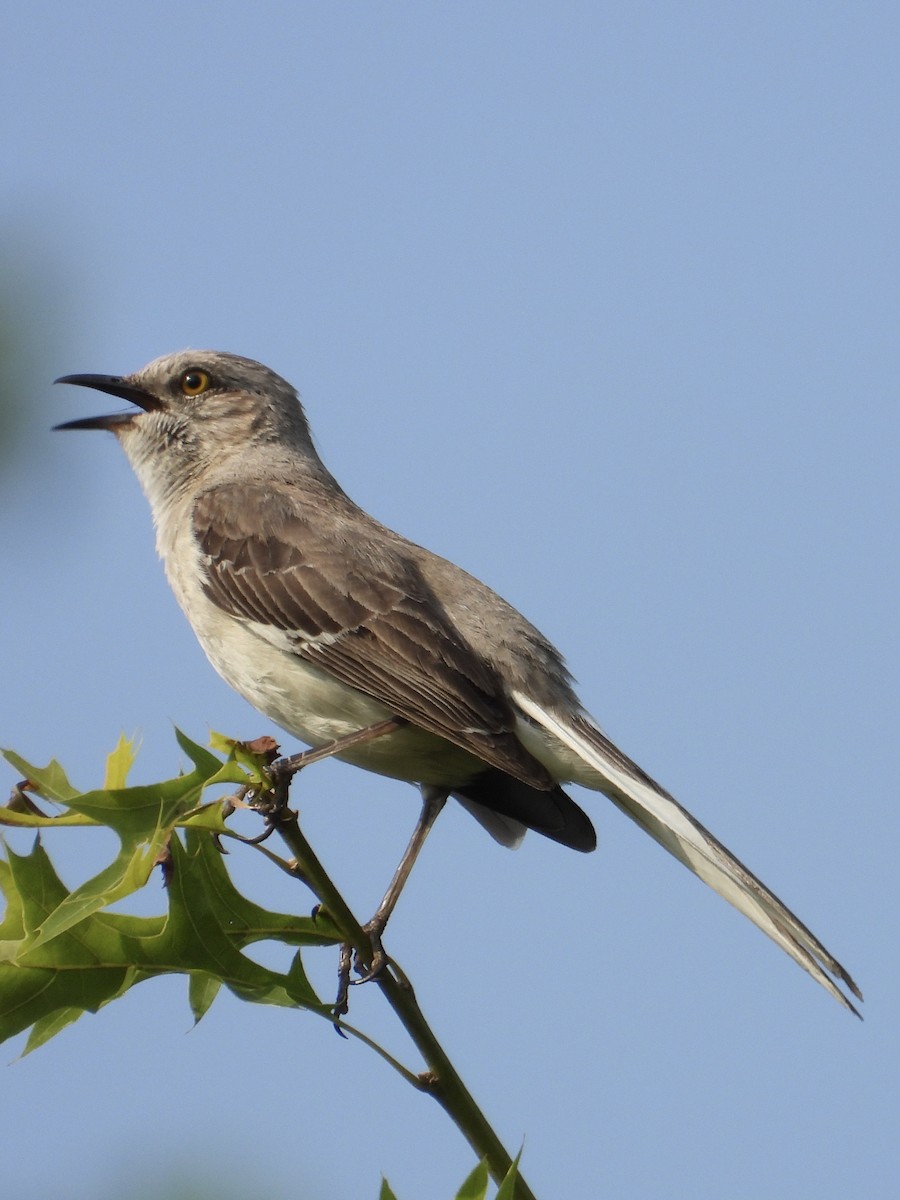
674	828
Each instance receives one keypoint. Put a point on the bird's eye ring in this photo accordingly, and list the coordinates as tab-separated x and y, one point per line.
192	383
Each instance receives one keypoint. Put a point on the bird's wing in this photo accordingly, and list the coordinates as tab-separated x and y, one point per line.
358	609
674	828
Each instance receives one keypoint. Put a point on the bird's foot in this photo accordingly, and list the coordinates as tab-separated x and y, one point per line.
378	959
367	968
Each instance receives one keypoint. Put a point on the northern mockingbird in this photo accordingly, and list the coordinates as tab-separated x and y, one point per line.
327	622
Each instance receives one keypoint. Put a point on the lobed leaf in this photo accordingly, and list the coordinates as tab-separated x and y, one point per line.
63	953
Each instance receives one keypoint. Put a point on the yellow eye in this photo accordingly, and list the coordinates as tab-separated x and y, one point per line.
194	382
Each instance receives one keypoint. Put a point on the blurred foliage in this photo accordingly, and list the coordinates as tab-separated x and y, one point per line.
191	1185
31	306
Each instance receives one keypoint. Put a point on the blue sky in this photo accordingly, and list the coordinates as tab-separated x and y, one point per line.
599	300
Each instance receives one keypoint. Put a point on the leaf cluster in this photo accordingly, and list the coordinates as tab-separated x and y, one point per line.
65	952
62	953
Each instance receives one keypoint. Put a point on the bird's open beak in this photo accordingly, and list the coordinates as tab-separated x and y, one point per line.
115	385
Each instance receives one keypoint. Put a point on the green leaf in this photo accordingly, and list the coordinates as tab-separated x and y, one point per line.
47	1027
205	762
209	921
50	781
507	1189
48	984
476	1185
239	752
119	763
144	818
31	820
202	990
12	927
386	1193
63	953
33	992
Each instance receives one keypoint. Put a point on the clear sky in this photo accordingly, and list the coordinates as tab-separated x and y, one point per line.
599	300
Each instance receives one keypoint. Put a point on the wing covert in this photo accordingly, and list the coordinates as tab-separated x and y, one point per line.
356	607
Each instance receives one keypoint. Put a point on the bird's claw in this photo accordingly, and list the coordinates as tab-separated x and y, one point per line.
367	970
378	959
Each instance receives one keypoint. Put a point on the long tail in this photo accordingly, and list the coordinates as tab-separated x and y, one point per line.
636	794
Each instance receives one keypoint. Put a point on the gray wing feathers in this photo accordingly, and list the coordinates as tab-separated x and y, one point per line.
359	610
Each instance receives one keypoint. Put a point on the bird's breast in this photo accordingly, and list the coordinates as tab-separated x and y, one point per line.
257	660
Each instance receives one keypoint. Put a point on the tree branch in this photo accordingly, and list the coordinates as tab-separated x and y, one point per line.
441	1080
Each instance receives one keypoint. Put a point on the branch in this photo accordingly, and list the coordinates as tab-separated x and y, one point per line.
441	1080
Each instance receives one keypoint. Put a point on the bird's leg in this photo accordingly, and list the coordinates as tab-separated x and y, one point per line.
433	800
283	770
288	767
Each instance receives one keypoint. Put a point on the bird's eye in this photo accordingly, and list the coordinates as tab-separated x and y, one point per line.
192	383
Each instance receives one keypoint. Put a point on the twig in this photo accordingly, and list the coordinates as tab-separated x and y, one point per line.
441	1080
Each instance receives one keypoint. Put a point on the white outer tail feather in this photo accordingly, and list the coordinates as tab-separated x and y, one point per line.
684	837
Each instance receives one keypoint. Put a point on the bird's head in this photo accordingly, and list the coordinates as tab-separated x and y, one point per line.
194	411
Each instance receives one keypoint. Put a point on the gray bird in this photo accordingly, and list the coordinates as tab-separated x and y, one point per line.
328	623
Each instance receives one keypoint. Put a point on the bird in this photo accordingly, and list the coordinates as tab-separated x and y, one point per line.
338	629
